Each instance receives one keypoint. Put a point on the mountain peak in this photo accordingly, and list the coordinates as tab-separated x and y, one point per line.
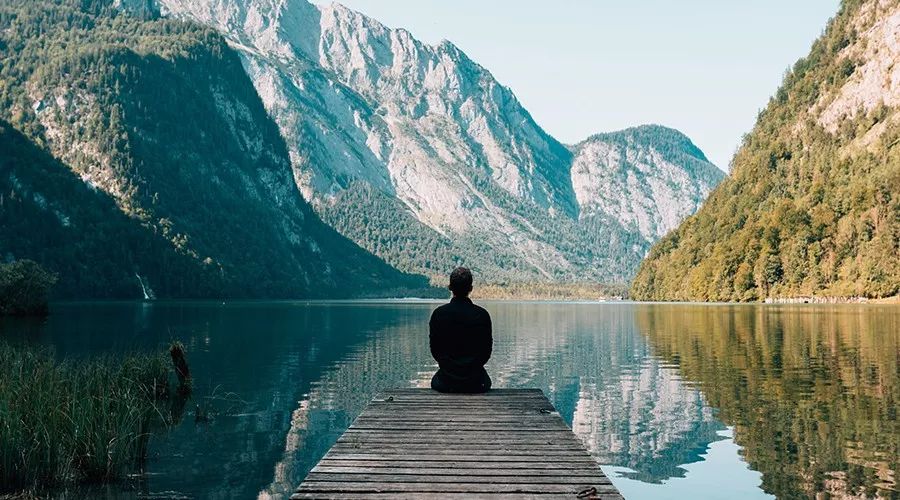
662	136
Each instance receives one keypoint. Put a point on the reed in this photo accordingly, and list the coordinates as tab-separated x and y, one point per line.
85	421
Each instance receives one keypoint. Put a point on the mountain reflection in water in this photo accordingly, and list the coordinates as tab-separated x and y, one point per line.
809	391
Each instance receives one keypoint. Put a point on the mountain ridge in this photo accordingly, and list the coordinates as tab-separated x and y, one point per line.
444	143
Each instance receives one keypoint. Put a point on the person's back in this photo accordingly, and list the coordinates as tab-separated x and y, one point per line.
461	340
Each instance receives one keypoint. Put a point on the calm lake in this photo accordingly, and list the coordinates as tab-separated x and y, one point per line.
676	401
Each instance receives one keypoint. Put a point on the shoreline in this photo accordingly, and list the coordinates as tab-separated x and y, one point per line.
894	300
813	299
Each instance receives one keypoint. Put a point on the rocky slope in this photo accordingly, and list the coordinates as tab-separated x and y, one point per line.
160	120
812	205
419	155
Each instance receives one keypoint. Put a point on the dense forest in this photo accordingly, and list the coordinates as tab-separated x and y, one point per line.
812	205
139	152
594	246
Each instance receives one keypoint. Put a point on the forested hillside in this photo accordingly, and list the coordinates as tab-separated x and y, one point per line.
137	146
48	214
812	205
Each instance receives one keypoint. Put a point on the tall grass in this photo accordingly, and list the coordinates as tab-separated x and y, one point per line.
74	421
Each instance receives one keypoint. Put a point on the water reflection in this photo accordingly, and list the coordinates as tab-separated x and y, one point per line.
812	392
627	407
648	388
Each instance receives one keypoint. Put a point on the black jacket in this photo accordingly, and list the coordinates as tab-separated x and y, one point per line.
461	342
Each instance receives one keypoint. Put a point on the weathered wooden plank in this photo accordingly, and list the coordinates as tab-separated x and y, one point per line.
457	452
440	426
461	398
456	409
460	465
486	451
510	489
446	446
494	393
437	418
433	479
454	442
424	430
440	400
460	437
470	436
418	396
463	429
468	446
497	393
417	443
441	444
422	414
545	430
458	457
440	496
441	440
539	421
585	470
452	409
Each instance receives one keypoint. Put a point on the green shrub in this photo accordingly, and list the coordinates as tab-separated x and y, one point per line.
24	286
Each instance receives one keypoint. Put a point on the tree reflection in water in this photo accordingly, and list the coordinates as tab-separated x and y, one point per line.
812	391
630	409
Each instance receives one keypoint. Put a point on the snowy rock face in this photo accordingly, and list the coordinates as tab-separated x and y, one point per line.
876	81
430	129
650	178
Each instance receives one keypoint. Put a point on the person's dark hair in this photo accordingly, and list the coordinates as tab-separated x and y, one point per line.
461	281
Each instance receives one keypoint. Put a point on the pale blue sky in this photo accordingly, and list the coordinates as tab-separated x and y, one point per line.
705	67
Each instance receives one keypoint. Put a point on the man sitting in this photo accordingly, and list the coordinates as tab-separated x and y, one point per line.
461	340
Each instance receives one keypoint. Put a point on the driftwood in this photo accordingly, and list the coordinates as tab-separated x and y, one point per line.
176	350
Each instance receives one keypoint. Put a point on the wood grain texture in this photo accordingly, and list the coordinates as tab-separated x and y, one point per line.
418	443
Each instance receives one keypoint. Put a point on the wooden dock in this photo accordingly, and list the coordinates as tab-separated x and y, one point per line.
418	443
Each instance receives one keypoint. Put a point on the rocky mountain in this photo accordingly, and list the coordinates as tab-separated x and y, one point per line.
648	178
812	206
419	155
141	158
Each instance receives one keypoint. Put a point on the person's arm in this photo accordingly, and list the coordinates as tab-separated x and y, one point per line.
487	340
435	339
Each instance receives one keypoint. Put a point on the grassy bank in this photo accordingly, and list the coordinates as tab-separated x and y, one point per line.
74	422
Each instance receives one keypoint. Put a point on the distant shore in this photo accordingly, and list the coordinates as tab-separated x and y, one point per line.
832	300
561	293
551	291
